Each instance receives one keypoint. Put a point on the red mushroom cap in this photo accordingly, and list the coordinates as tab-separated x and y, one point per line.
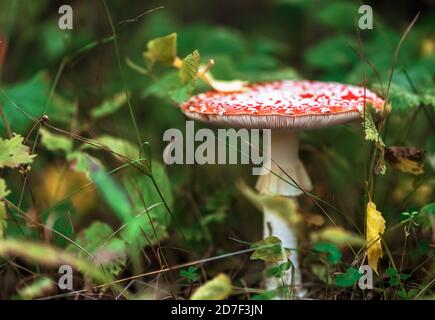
283	104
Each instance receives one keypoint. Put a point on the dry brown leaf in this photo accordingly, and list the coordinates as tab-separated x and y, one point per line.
406	159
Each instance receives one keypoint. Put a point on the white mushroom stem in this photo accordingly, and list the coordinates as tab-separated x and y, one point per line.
289	178
285	167
276	225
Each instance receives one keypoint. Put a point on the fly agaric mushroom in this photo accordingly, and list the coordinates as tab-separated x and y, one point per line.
286	107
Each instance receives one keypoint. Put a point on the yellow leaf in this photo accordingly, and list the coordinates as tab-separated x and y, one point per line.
162	50
375	228
219	288
338	236
220	85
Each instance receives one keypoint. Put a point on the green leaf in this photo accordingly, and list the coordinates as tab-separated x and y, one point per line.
331	249
348	279
182	94
370	130
14	153
162	50
189	68
109	106
111	192
188	75
219	288
391	272
279	270
394	281
170	86
270	250
371	134
407	295
55	142
428	209
190	274
404	276
30	96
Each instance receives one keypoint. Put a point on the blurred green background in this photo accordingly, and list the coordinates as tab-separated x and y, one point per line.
250	40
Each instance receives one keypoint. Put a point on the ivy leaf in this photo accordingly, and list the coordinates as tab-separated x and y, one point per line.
219	288
13	152
109	106
3	222
55	142
375	229
331	249
162	50
269	250
348	279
